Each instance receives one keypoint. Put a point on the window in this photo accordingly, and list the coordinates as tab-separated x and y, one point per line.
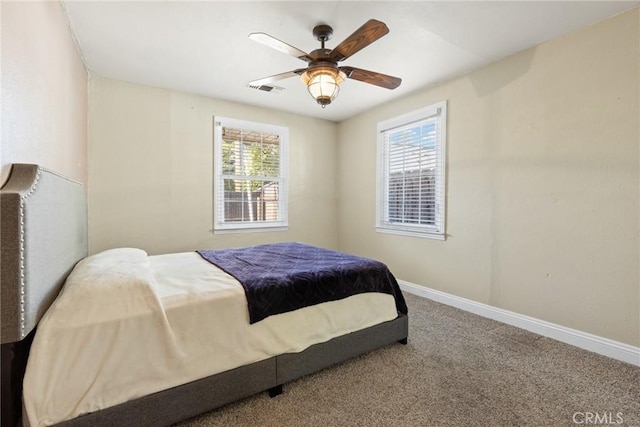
411	162
250	188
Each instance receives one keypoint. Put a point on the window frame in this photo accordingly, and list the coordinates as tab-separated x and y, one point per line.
219	224
383	225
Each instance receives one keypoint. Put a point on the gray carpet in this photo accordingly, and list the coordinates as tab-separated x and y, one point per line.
458	369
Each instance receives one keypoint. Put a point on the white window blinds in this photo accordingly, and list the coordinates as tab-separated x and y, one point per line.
250	174
411	190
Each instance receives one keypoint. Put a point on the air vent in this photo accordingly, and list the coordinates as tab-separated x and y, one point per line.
267	88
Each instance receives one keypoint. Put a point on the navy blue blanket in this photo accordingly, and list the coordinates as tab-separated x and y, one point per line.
283	277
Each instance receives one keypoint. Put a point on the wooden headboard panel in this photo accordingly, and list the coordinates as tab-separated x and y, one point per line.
43	234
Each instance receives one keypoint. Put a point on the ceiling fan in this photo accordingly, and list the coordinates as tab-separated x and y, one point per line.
323	76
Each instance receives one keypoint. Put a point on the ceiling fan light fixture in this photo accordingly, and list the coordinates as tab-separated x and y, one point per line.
323	83
322	76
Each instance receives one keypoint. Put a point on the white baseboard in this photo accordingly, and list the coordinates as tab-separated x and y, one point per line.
604	346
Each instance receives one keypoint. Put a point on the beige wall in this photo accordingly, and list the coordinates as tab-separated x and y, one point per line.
543	184
150	171
44	91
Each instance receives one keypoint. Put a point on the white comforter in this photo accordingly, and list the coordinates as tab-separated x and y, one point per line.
127	325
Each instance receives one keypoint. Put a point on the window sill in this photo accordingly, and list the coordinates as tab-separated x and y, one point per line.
249	230
420	234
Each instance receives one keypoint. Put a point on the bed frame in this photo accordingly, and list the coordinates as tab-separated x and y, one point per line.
43	220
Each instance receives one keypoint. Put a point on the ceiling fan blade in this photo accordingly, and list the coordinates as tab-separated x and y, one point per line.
274	43
371	31
372	77
276	77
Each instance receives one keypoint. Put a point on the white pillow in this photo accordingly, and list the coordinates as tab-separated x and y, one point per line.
117	283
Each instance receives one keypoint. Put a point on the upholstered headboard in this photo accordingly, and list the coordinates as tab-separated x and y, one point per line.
43	234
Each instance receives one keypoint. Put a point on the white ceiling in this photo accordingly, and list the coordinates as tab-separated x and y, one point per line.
202	47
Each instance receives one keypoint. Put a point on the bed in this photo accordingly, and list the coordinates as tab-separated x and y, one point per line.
44	235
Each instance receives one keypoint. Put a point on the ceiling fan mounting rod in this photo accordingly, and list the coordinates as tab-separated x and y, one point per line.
323	33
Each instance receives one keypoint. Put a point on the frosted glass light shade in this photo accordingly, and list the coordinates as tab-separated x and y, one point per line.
323	83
